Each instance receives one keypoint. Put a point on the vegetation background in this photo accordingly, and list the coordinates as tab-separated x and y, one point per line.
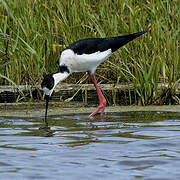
34	32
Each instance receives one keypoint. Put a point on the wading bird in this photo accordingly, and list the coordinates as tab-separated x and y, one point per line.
84	56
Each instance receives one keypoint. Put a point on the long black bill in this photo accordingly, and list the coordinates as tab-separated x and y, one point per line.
47	101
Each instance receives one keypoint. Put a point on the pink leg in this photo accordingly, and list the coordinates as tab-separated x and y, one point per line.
102	100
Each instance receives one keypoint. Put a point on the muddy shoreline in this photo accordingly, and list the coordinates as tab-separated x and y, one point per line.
84	100
59	108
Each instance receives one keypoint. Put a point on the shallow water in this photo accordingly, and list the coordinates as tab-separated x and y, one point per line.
129	145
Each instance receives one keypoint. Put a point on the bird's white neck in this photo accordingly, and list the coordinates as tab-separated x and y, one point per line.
60	77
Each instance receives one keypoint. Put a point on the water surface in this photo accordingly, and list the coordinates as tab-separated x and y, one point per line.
129	145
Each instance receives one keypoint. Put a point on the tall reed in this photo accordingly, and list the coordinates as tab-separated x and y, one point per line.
26	25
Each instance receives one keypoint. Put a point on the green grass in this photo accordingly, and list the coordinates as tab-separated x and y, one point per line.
145	62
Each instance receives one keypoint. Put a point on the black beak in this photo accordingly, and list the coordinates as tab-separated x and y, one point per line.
47	101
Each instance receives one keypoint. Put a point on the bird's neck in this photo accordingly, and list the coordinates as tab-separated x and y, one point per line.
60	76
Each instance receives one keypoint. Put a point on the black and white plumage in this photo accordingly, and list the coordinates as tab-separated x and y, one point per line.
84	56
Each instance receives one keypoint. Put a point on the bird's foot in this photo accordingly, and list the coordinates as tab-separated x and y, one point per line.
101	108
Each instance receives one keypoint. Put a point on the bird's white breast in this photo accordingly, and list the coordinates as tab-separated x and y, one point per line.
84	62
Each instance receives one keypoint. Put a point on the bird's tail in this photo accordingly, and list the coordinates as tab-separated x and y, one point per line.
135	35
117	42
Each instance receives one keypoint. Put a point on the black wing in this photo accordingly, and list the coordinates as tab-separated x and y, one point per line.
88	46
92	45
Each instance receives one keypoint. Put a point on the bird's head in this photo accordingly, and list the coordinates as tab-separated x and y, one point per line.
48	84
51	80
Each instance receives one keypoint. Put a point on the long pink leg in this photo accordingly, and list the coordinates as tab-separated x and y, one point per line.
102	100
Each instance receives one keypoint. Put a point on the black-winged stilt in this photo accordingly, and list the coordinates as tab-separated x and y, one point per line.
84	56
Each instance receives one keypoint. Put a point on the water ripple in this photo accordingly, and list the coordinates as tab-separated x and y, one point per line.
131	145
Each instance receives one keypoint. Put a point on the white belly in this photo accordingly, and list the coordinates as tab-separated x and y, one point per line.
84	62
